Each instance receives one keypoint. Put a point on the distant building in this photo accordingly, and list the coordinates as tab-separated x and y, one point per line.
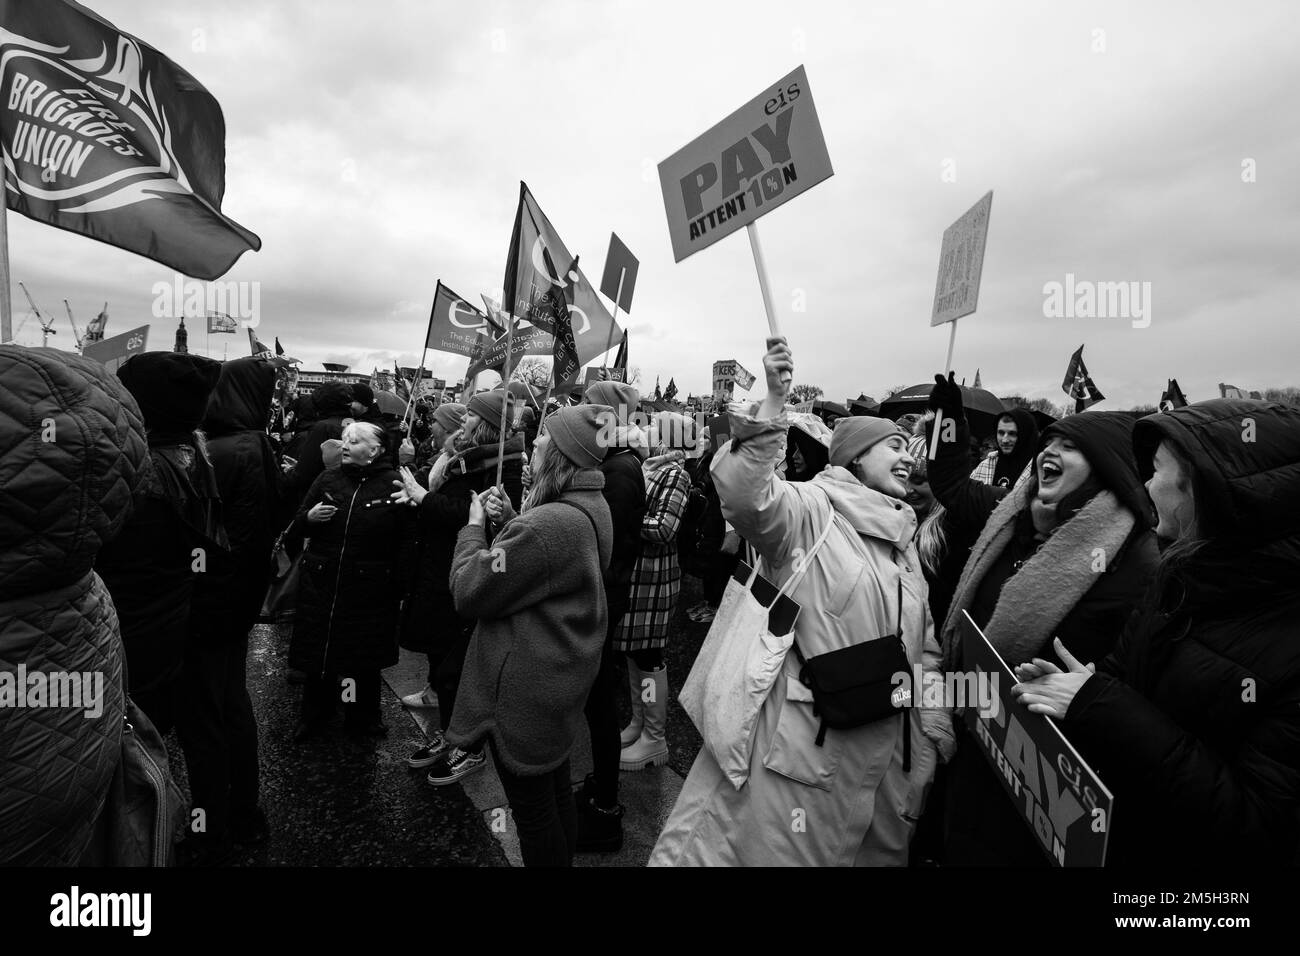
182	339
307	381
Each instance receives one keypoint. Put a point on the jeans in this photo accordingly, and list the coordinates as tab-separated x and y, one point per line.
217	730
545	815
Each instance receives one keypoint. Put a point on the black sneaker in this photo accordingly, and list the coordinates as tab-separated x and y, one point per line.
454	765
430	753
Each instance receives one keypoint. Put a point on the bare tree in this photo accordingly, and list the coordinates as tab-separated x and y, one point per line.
805	393
534	372
1285	396
1046	407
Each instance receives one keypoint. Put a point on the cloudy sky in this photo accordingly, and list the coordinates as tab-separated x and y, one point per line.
378	147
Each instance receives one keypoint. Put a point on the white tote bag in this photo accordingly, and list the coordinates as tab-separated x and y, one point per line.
736	667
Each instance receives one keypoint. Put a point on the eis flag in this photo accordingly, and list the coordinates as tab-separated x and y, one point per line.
454	324
105	136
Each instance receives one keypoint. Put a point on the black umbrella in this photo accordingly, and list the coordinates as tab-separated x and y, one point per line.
825	409
983	408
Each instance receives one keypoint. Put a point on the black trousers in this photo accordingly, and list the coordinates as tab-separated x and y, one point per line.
601	711
218	731
544	812
320	696
446	663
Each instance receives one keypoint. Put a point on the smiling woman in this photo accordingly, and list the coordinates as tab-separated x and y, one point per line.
863	587
1066	553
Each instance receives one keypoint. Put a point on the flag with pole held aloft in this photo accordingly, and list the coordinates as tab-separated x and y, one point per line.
1078	383
106	137
1172	397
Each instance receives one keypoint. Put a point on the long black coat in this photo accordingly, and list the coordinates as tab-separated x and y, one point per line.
1194	721
228	596
429	619
624	492
356	569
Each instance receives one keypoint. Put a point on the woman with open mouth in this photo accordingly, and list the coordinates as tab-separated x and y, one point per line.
1066	554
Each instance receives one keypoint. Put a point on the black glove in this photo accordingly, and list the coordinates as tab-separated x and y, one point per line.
946	396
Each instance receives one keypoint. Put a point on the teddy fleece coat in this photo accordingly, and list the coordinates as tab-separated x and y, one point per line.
539	599
859	806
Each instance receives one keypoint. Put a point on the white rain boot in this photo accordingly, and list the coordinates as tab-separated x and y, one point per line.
632	732
651	748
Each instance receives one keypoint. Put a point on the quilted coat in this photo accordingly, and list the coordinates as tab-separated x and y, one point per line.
72	452
355	570
859	807
1204	688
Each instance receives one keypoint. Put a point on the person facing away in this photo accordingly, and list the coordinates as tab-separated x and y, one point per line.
539	598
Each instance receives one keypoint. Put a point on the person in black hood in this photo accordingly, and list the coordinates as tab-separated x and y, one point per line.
1065	554
1203	689
1017	442
332	402
216	726
150	568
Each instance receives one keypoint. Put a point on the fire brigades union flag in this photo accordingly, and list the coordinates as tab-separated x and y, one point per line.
105	136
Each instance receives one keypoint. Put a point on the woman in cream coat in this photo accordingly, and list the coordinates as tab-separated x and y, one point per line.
849	801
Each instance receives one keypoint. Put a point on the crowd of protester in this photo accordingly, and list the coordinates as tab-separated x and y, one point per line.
534	553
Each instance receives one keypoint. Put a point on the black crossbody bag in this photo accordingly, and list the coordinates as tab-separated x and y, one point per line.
855	686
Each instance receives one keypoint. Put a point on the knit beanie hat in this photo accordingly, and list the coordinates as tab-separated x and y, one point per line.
450	416
853	436
172	390
488	405
363	393
575	431
619	396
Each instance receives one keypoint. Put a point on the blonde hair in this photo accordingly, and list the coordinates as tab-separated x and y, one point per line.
550	478
370	432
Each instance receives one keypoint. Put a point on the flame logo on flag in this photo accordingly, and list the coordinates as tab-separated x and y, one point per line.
84	134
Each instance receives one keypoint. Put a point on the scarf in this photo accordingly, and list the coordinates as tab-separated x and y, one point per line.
1038	597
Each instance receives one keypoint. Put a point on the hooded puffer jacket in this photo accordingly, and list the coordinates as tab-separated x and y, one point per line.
73	455
1204	687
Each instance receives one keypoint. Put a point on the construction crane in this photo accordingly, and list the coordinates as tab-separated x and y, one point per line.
47	328
73	322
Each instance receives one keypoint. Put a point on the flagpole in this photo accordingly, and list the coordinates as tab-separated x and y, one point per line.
938	415
609	342
760	264
419	377
6	303
505	404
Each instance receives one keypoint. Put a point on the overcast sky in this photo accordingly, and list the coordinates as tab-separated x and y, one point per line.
378	147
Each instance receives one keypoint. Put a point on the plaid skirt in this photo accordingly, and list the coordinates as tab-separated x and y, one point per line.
656	586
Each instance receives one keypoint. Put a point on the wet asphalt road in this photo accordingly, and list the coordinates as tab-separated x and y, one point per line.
341	800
